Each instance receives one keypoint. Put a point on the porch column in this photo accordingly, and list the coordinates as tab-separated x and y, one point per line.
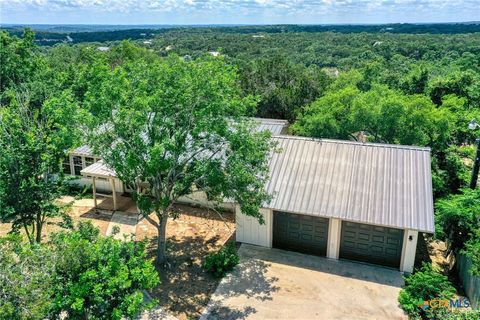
333	244
94	186
114	194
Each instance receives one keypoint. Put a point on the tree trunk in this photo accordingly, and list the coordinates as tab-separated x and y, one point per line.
162	235
38	236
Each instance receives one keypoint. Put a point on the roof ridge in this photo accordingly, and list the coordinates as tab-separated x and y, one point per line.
368	144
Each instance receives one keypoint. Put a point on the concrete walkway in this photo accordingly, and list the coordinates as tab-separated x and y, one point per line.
125	221
277	284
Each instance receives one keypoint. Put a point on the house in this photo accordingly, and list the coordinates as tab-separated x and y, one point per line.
340	199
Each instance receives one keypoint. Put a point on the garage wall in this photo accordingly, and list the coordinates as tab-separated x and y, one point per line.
410	238
252	232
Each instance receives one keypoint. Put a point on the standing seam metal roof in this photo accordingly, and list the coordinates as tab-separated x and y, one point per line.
275	126
379	184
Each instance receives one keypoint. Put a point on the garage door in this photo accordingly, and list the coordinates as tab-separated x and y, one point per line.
367	243
301	233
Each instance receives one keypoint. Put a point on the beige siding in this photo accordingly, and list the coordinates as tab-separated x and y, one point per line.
102	185
249	230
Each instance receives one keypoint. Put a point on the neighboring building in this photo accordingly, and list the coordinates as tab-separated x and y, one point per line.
103	48
340	199
214	53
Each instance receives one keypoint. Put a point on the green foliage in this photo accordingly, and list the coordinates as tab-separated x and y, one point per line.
457	217
472	250
283	87
424	284
32	146
222	261
18	62
382	114
77	191
462	315
27	278
100	277
78	272
173	127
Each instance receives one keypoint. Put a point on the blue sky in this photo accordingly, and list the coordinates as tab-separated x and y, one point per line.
236	11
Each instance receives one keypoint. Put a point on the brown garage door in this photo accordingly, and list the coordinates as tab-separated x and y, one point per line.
300	233
367	243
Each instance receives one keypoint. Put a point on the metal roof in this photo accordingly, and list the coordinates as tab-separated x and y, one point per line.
98	169
82	151
386	185
276	126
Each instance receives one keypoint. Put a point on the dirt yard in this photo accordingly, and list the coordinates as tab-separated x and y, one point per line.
186	287
81	210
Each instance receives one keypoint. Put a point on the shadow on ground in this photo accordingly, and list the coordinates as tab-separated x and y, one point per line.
248	280
185	287
344	268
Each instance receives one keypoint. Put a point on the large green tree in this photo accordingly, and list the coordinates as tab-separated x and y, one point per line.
18	61
171	128
33	142
381	114
283	86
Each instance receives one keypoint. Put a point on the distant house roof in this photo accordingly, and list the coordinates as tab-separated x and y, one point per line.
82	151
275	126
385	185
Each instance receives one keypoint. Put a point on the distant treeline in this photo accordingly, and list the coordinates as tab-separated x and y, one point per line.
47	37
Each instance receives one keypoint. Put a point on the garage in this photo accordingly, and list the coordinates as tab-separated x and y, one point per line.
376	199
372	244
302	233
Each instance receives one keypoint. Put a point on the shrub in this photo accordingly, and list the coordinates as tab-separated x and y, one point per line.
219	263
462	315
79	272
100	277
26	279
457	217
424	284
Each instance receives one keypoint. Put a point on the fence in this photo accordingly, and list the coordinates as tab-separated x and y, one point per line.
471	284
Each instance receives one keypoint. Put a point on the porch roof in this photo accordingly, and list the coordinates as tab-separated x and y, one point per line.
98	169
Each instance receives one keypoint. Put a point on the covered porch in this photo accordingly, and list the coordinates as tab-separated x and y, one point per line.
105	184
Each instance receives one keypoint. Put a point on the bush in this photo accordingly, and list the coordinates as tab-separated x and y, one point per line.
79	272
219	263
425	284
458	217
26	280
462	315
100	277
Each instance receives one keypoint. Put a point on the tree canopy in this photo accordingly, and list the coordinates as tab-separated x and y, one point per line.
172	127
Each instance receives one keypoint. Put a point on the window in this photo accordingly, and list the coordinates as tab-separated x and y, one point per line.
77	165
88	161
66	166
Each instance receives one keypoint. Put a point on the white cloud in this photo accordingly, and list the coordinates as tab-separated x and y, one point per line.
234	11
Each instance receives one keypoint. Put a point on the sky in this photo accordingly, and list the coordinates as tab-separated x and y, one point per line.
236	11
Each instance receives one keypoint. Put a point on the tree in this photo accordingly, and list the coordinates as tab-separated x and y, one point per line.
33	142
382	114
99	277
283	87
18	62
171	128
78	273
26	280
